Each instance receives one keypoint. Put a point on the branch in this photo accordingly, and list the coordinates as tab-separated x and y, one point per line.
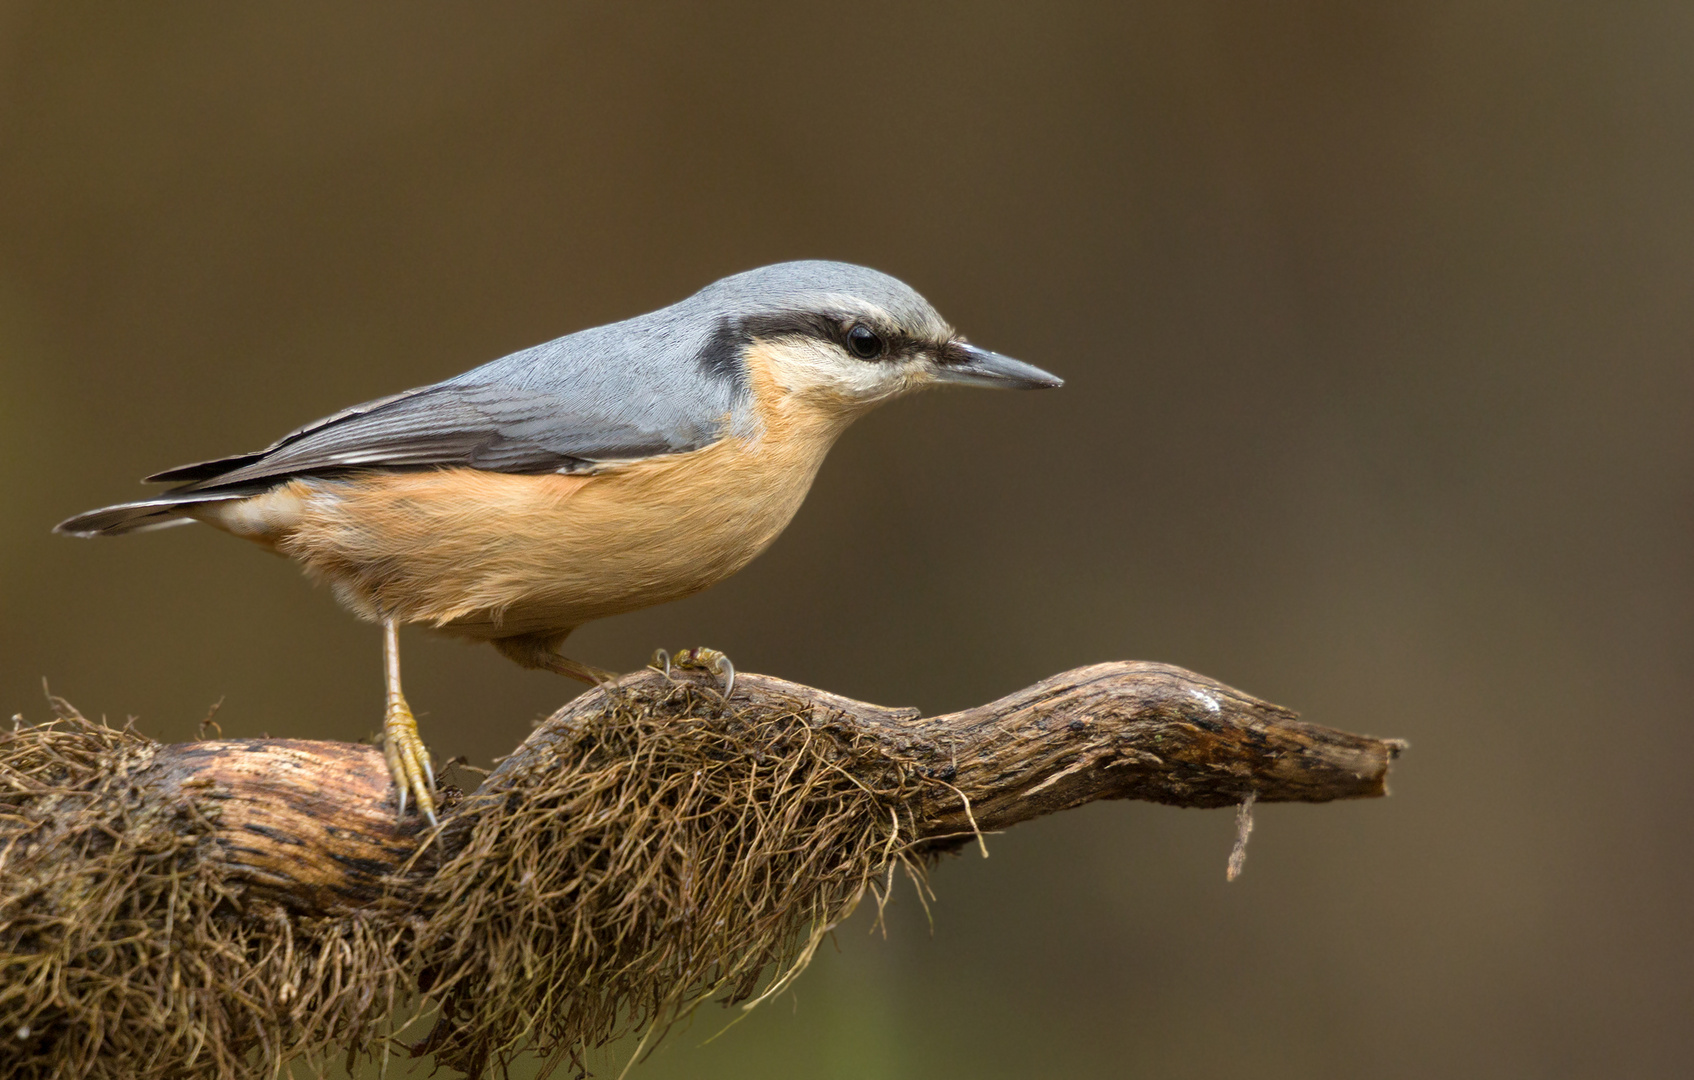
169	910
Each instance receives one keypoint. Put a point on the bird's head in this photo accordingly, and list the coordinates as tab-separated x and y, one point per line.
843	338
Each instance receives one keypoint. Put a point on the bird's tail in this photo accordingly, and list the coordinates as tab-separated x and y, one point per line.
160	513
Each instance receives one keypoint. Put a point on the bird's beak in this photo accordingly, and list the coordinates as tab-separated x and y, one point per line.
965	364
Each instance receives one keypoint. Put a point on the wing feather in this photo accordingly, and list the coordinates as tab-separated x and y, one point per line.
498	428
628	390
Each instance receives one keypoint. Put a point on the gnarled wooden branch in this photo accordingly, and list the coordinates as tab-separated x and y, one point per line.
181	910
313	823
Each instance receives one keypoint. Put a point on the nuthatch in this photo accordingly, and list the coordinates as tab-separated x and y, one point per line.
606	471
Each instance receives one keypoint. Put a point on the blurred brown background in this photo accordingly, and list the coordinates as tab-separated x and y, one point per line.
1377	325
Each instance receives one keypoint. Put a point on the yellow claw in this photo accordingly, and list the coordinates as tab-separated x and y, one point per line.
408	759
702	659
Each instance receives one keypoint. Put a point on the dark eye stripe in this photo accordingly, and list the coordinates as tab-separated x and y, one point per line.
838	328
791	324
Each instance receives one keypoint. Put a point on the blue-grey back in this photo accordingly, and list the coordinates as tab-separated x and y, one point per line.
665	382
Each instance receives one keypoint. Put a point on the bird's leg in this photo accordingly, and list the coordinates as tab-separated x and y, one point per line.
408	760
700	659
537	651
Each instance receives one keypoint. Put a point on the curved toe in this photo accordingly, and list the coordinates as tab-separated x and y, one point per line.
703	658
408	761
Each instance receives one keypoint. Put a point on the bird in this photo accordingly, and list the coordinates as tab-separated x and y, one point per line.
608	470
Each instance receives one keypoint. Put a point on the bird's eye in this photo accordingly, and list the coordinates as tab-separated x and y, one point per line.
864	343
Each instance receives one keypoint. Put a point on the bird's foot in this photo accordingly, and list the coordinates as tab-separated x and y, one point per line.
408	760
701	659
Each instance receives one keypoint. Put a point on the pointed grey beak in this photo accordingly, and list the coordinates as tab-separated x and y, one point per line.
970	366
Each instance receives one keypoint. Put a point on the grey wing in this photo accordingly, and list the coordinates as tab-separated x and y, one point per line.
493	427
629	390
490	426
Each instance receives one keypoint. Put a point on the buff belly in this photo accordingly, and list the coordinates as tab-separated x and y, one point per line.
490	555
